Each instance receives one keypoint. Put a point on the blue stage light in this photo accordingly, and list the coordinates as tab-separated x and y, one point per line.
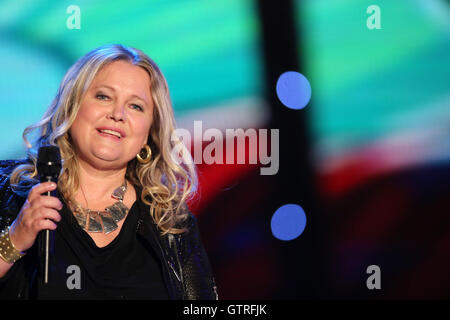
288	222
293	90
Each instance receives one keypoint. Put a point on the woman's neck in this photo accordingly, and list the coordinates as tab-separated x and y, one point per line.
97	185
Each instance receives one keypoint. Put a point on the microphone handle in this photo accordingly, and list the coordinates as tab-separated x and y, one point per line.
47	241
47	244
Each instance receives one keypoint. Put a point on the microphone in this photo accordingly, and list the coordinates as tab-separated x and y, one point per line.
48	166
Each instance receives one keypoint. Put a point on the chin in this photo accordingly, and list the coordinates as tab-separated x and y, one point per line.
108	162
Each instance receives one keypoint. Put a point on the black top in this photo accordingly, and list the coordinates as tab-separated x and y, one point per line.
78	269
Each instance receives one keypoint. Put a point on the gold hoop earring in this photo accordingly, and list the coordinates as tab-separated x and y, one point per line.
148	155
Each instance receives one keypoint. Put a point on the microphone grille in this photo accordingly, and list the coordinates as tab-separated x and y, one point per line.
49	154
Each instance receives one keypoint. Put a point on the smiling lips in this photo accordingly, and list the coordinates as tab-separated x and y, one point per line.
111	132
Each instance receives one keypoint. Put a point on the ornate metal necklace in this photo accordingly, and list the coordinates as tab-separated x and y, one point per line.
102	221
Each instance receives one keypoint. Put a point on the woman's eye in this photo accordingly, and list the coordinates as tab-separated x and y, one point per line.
137	107
101	96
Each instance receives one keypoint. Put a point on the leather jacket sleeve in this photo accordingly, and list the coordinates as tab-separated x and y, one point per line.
10	205
196	270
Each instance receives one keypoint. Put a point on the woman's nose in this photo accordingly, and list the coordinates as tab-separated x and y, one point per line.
118	113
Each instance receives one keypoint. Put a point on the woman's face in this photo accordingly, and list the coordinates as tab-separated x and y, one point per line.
115	116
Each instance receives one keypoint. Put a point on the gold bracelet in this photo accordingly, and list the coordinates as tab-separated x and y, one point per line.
8	252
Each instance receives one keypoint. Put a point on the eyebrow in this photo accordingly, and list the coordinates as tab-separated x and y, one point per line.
113	89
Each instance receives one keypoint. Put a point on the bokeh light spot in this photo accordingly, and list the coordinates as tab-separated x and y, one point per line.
293	90
288	222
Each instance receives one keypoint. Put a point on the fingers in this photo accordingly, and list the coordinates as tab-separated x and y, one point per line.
40	189
36	198
44	208
47	202
46	213
39	212
45	224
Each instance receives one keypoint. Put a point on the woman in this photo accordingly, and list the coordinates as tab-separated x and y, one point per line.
120	225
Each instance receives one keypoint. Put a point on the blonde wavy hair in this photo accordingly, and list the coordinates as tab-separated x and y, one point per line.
166	183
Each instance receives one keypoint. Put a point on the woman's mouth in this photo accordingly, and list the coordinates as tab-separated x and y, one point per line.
110	133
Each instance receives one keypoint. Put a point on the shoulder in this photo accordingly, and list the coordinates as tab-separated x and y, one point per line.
190	220
190	239
7	166
9	201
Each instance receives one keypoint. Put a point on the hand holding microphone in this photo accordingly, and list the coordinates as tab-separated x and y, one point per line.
40	212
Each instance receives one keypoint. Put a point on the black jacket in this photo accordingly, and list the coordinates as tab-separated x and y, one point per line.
186	268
